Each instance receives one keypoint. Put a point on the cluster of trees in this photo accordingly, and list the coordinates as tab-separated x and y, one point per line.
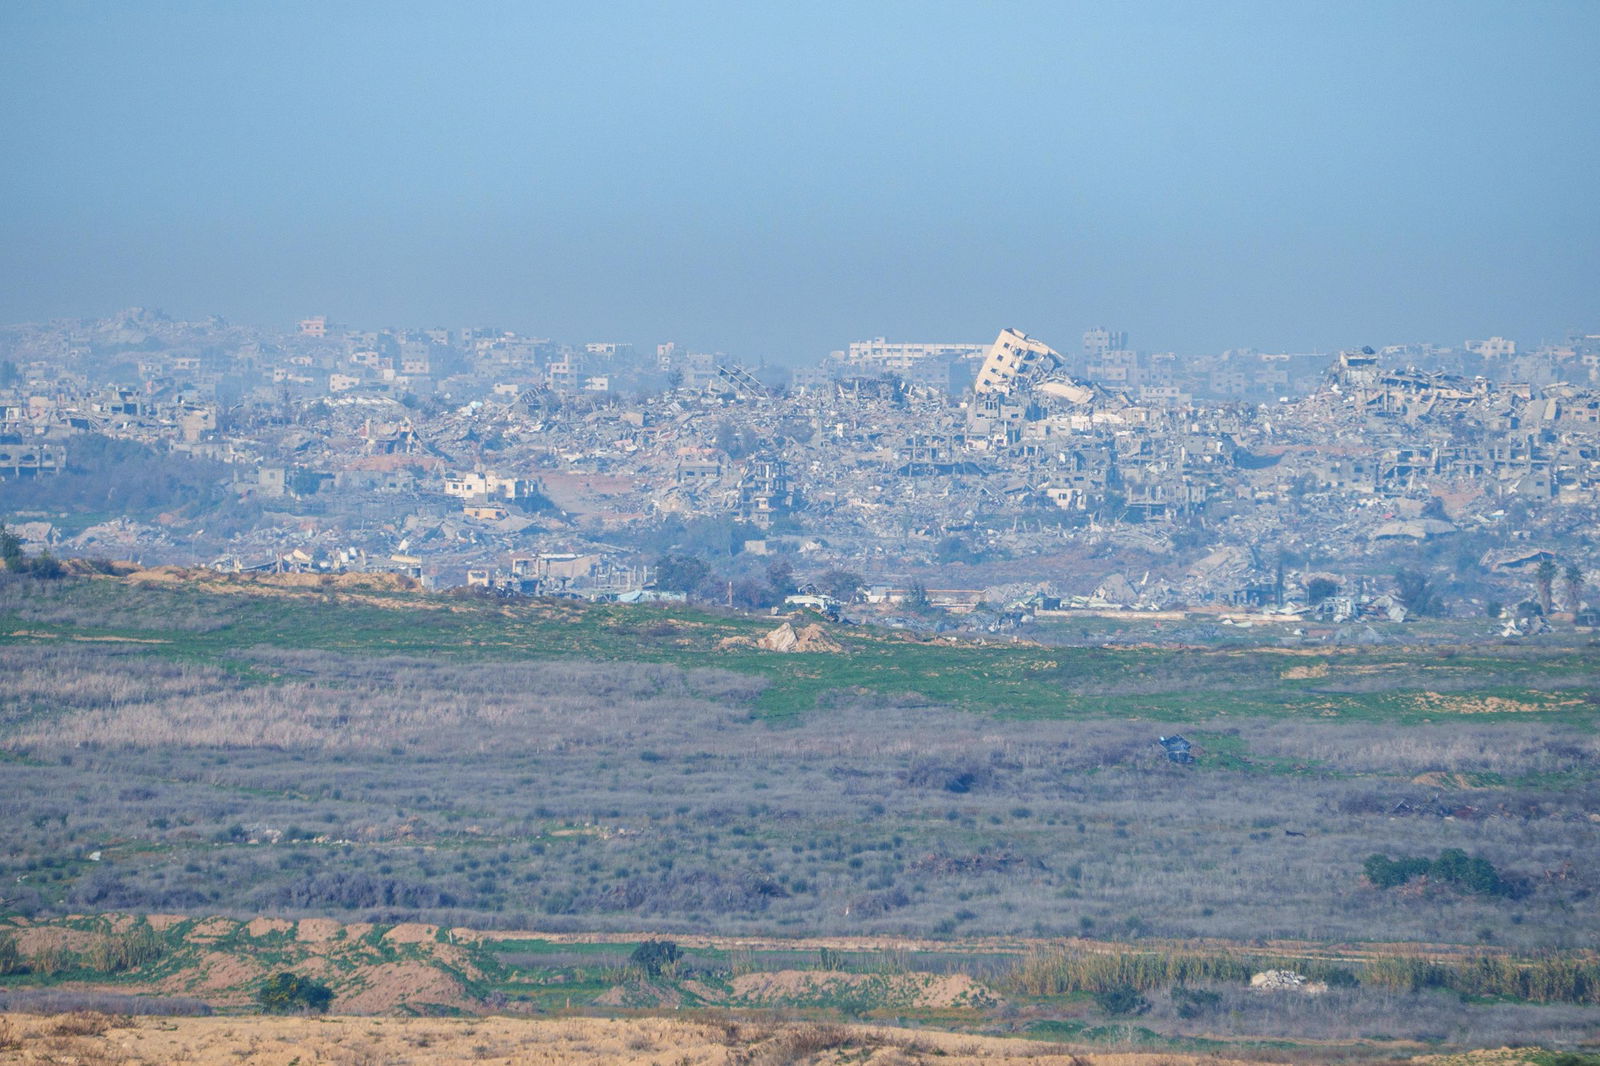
15	561
1544	584
1452	867
113	476
696	578
1544	580
1421	596
738	442
1416	592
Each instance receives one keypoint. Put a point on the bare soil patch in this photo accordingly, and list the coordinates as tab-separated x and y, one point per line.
263	926
411	933
264	1041
317	930
928	991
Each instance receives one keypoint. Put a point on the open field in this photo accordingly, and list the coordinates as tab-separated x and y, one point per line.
1097	668
370	755
97	1040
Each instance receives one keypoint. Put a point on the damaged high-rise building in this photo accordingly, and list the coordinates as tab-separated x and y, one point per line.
1015	359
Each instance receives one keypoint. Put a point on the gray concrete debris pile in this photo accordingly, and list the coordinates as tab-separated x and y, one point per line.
1286	981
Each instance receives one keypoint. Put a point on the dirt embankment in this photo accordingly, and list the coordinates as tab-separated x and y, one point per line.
371	970
911	990
86	1038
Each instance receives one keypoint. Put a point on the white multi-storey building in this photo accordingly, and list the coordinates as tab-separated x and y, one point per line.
883	355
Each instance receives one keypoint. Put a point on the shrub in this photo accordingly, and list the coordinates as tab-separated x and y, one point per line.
11	957
1452	867
285	993
653	956
82	1023
958	777
1195	1002
805	1041
1473	874
1385	872
1121	999
125	951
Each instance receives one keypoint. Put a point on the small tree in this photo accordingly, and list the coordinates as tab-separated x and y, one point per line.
1121	999
11	956
680	573
1385	872
1544	579
46	566
1319	589
11	550
304	482
16	561
1573	576
1415	591
654	955
917	597
1195	1002
840	584
780	575
287	993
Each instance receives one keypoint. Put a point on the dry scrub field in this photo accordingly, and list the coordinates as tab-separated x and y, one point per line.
88	1039
374	758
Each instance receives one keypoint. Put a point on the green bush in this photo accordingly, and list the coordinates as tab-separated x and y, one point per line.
1195	1002
1385	872
1121	1000
1452	867
286	993
653	956
1473	874
118	952
11	960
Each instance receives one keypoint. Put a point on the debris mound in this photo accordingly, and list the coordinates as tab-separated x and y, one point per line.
810	638
1286	981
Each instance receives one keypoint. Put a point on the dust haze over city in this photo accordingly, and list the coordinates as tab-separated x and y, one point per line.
724	533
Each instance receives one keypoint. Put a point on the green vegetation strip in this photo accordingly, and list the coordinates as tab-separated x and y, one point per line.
217	620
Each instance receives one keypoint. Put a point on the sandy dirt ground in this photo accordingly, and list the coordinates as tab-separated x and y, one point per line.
88	1039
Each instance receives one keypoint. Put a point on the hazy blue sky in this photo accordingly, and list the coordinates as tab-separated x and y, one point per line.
778	179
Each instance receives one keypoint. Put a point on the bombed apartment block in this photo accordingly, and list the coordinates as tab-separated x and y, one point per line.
1015	360
31	460
765	491
478	486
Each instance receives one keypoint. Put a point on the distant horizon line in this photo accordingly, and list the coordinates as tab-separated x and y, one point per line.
292	328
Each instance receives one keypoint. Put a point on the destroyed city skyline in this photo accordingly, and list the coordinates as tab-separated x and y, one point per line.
919	485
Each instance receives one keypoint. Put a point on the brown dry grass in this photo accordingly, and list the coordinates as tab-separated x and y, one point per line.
928	991
344	1041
